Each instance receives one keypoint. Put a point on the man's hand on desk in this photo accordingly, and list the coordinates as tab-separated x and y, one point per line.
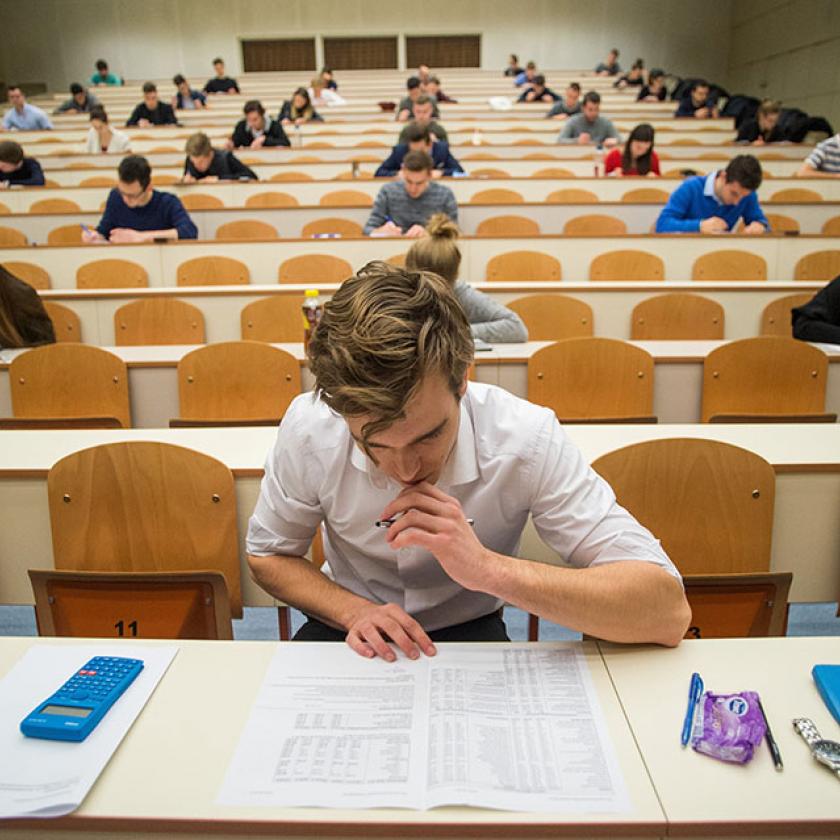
369	626
430	519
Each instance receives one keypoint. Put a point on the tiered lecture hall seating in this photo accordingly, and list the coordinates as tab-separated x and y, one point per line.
574	254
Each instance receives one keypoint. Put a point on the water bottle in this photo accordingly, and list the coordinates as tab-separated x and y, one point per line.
312	310
476	137
598	160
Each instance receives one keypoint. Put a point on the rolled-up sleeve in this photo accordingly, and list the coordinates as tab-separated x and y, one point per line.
288	512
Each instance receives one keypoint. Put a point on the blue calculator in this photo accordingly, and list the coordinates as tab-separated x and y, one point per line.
72	713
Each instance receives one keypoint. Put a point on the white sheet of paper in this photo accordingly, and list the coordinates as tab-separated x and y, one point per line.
40	778
496	726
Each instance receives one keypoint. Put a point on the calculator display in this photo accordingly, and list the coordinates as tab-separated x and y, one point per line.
67	711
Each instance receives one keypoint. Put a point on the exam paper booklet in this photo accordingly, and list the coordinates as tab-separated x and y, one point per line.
40	778
494	726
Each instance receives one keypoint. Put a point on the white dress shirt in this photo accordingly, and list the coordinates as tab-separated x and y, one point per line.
511	459
120	142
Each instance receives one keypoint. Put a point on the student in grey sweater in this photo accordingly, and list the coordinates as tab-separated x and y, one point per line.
589	126
438	251
403	207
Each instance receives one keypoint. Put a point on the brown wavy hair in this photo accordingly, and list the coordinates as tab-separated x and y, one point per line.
382	333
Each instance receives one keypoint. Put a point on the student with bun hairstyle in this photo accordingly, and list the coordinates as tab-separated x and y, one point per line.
23	320
438	252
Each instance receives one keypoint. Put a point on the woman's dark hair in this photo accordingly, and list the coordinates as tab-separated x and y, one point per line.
643	133
98	113
178	80
23	319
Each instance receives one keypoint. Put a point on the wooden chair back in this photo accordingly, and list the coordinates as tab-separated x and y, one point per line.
246	230
4	210
727	266
572	196
111	274
342	227
346	198
201	201
593	379
767	375
65	235
163	179
28	424
315	269
646	195
551	171
594	224
98	181
213	271
552	317
143	605
276	319
677	316
776	316
291	176
12	238
818	267
69	380
507	226
524	267
782	224
30	273
831	227
497	196
271	199
489	172
632	266
66	323
145	506
158	320
54	205
796	195
710	503
737	606
397	260
237	380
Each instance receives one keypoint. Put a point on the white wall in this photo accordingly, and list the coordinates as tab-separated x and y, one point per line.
57	41
788	50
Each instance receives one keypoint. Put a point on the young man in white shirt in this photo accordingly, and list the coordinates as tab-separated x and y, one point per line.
424	481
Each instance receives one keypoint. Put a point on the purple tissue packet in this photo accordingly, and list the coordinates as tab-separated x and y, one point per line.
728	726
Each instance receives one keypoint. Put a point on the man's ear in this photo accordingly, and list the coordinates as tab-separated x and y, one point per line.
463	387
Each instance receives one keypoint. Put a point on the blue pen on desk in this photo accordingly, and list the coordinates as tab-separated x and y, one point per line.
695	691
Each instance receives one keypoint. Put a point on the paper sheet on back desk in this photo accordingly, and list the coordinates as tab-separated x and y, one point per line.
495	726
41	778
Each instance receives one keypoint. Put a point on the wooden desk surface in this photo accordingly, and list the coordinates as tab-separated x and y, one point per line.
165	775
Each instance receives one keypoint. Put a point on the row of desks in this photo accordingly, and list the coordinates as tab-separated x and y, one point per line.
612	303
672	792
366	165
310	183
679	252
289	222
806	536
677	398
282	154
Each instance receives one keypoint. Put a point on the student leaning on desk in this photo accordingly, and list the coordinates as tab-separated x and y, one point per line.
395	435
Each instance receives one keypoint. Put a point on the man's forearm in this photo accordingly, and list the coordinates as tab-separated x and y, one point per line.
295	581
629	601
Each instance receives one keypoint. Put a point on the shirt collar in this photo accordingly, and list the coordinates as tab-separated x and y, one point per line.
460	468
709	186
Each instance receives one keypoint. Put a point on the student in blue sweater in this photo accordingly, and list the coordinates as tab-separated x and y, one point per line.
714	203
135	212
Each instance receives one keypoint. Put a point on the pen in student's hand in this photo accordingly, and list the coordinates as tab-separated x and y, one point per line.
387	523
695	690
771	741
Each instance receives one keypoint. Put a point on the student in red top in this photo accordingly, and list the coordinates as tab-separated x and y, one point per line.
638	157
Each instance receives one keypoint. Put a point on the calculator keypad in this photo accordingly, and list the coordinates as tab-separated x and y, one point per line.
97	679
